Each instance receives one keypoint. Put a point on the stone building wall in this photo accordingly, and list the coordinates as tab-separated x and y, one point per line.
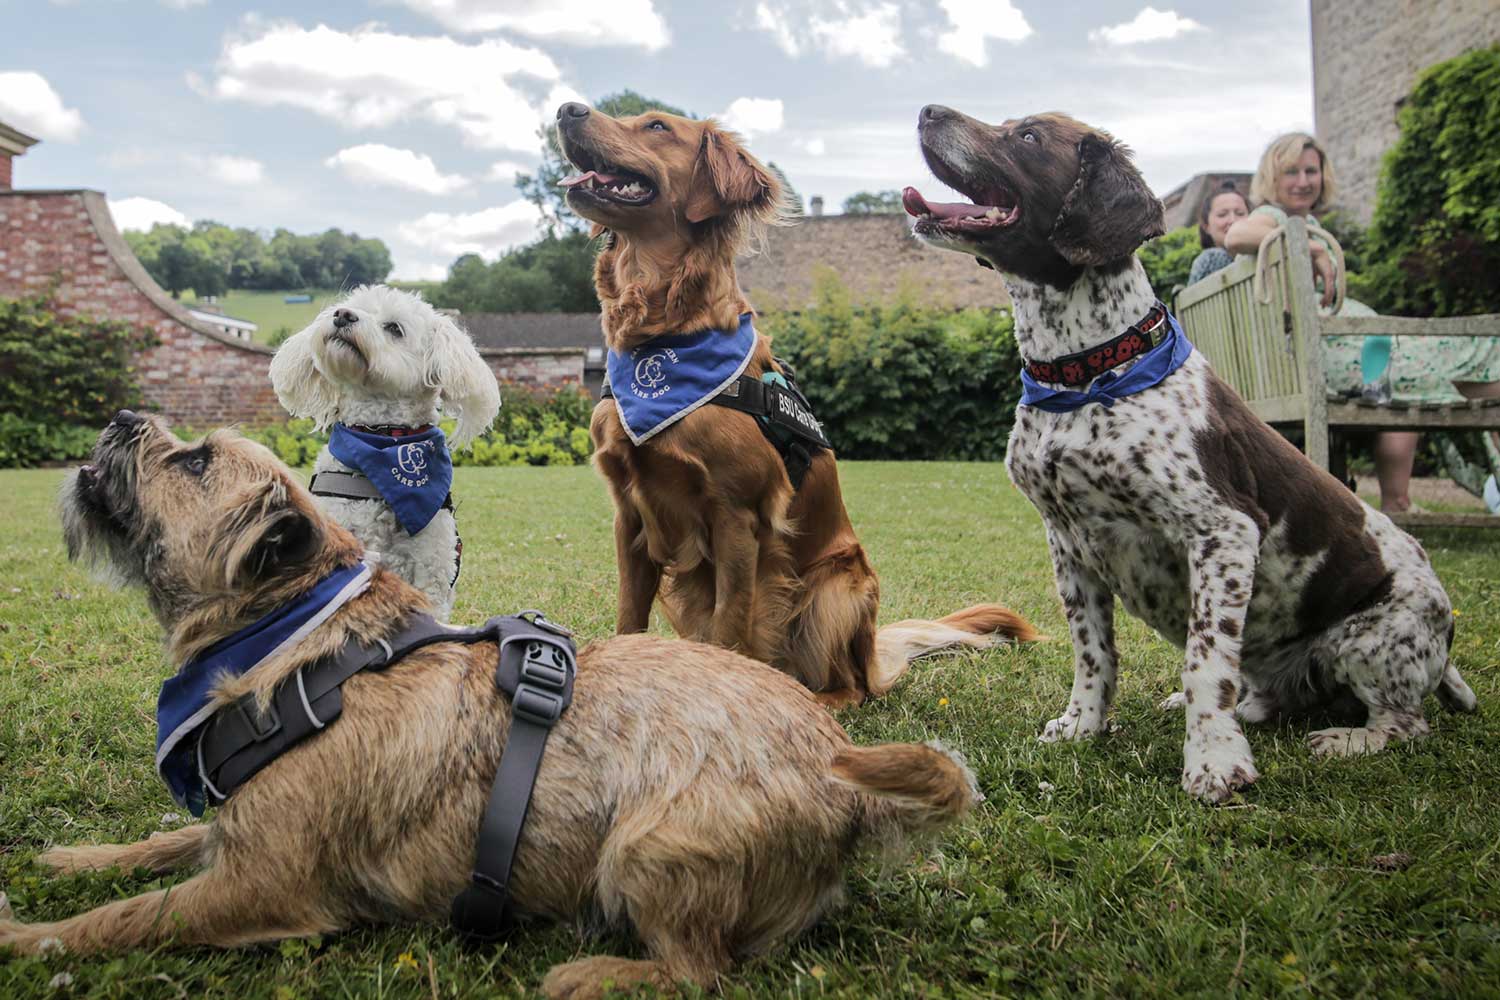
65	243
875	256
535	368
1366	56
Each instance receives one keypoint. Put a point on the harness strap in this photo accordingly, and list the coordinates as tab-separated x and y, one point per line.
352	486
535	669
782	412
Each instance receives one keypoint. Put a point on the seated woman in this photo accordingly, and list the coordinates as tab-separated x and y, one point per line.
1224	206
1295	177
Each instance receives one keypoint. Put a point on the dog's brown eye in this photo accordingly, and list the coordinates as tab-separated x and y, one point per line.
1028	137
195	462
394	329
657	127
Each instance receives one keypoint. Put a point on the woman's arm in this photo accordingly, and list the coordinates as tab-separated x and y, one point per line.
1245	236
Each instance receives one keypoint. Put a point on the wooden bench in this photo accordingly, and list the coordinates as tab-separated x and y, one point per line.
1271	354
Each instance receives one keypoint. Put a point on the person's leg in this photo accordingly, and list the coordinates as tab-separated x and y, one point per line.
1394	452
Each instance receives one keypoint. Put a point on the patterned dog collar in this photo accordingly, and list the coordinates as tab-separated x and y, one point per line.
1087	365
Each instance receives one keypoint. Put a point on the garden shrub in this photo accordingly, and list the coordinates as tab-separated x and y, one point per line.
899	381
61	379
533	428
1433	248
1169	259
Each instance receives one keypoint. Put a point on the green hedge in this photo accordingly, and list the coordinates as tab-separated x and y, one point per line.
900	381
549	428
61	378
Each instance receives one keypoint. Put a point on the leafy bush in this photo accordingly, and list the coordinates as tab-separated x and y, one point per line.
901	381
533	429
28	443
61	378
1169	259
1434	245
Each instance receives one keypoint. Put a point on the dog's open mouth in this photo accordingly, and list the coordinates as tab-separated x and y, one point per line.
604	181
996	210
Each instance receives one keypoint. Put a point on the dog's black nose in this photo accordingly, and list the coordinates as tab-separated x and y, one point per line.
126	418
933	113
572	110
344	317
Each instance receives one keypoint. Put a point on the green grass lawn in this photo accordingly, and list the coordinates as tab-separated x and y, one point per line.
268	311
1086	873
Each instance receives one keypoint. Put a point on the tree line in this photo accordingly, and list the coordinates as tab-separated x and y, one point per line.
211	258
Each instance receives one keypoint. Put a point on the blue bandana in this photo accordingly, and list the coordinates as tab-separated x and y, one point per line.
414	472
184	703
1149	369
666	378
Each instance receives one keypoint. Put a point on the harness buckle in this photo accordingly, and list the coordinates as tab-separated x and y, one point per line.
262	727
544	665
535	705
541	621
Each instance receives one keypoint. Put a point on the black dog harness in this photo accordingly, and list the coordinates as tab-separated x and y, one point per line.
535	671
782	413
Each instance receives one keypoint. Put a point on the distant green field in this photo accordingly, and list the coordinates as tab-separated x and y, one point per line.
268	311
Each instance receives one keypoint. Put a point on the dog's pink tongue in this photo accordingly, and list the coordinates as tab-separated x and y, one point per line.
915	204
577	179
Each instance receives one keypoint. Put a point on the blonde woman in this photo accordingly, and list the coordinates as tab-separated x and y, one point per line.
1295	177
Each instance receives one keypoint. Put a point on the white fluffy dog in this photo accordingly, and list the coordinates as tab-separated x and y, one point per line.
376	369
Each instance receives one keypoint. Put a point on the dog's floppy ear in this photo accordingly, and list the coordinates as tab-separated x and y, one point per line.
727	179
266	535
302	389
466	386
1110	211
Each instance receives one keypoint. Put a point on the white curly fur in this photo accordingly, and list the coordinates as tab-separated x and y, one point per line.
385	378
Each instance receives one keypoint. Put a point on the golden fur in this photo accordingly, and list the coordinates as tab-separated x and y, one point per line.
691	795
704	512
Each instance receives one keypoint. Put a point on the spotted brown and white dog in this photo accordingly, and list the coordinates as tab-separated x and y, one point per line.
1286	592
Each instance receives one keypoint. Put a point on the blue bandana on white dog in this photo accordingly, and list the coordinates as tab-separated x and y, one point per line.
414	472
666	378
184	702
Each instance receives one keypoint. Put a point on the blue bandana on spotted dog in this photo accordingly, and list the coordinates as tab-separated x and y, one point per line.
413	472
1149	369
184	703
666	378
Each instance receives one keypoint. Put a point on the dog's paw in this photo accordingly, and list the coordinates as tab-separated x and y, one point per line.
1341	741
1216	770
1074	727
1174	702
599	976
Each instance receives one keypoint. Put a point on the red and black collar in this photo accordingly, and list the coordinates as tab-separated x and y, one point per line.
1087	365
390	430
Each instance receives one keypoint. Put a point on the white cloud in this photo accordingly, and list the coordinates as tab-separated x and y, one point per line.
28	102
183	4
143	213
868	32
485	232
230	169
974	21
372	78
1150	25
505	171
813	147
575	22
374	163
752	116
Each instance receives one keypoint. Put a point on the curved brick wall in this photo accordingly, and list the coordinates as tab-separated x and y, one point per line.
196	376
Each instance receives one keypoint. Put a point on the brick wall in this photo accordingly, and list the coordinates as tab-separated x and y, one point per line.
535	367
5	170
874	255
1366	56
67	241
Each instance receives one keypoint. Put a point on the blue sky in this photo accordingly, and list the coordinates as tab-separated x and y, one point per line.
407	119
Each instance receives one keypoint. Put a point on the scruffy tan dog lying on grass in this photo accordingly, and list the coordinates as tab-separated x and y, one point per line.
700	799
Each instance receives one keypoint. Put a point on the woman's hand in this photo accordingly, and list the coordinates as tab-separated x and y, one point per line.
1325	267
1245	235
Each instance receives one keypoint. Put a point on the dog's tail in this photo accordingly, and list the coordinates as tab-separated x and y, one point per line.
907	789
1453	694
979	627
161	853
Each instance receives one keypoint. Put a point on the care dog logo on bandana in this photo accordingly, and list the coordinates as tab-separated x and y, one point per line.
413	459
650	380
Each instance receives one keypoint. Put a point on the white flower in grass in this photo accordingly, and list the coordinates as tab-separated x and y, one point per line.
61	981
50	945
